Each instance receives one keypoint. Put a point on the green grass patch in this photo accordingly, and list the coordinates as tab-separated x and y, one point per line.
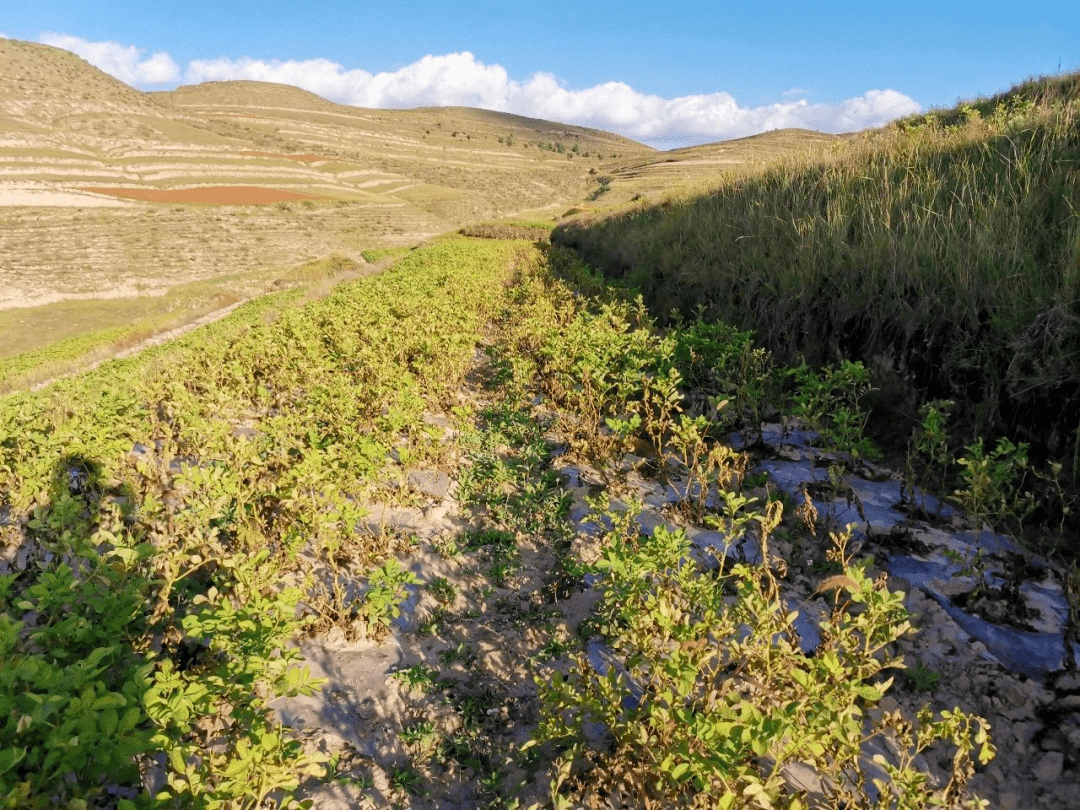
376	255
534	230
68	335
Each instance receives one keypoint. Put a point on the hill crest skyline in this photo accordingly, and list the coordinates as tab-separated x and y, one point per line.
461	79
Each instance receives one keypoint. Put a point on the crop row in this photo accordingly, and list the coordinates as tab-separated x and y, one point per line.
159	519
151	511
702	696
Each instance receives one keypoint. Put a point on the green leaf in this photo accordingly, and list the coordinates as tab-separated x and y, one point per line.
239	765
129	720
110	700
108	721
176	760
869	693
755	790
10	757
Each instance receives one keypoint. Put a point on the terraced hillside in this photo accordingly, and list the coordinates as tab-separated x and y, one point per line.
190	200
426	157
98	177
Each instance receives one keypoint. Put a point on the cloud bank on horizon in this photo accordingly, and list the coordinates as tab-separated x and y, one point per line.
460	79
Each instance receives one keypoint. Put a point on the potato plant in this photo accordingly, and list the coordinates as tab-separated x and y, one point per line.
150	509
716	701
150	512
707	699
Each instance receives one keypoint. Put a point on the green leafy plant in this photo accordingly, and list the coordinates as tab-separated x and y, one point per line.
994	482
418	677
922	678
833	401
930	443
722	360
442	589
246	664
458	653
386	591
73	726
711	466
712	696
407	779
420	734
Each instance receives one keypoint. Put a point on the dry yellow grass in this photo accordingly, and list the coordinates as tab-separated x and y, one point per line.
694	168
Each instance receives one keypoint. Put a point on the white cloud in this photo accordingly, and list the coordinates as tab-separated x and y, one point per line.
460	79
125	63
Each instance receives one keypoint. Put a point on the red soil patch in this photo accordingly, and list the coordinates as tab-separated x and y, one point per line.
215	195
306	158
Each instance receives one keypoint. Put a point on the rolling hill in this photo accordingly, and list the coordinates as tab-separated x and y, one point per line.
92	173
193	198
694	167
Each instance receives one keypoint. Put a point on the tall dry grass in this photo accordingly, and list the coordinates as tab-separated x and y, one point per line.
945	248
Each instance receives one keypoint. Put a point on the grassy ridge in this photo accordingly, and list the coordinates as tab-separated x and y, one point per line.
946	255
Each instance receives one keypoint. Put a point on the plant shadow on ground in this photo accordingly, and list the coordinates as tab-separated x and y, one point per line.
434	715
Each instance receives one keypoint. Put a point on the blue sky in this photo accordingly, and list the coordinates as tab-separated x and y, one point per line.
666	73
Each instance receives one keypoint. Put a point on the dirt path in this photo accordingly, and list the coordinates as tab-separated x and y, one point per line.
209	318
153	340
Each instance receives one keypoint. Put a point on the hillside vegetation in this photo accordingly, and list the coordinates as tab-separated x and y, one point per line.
434	478
170	523
943	251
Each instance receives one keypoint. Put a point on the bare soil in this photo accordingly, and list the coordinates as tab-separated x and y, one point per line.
211	195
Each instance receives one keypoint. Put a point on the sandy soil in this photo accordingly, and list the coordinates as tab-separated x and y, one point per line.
54	198
213	195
